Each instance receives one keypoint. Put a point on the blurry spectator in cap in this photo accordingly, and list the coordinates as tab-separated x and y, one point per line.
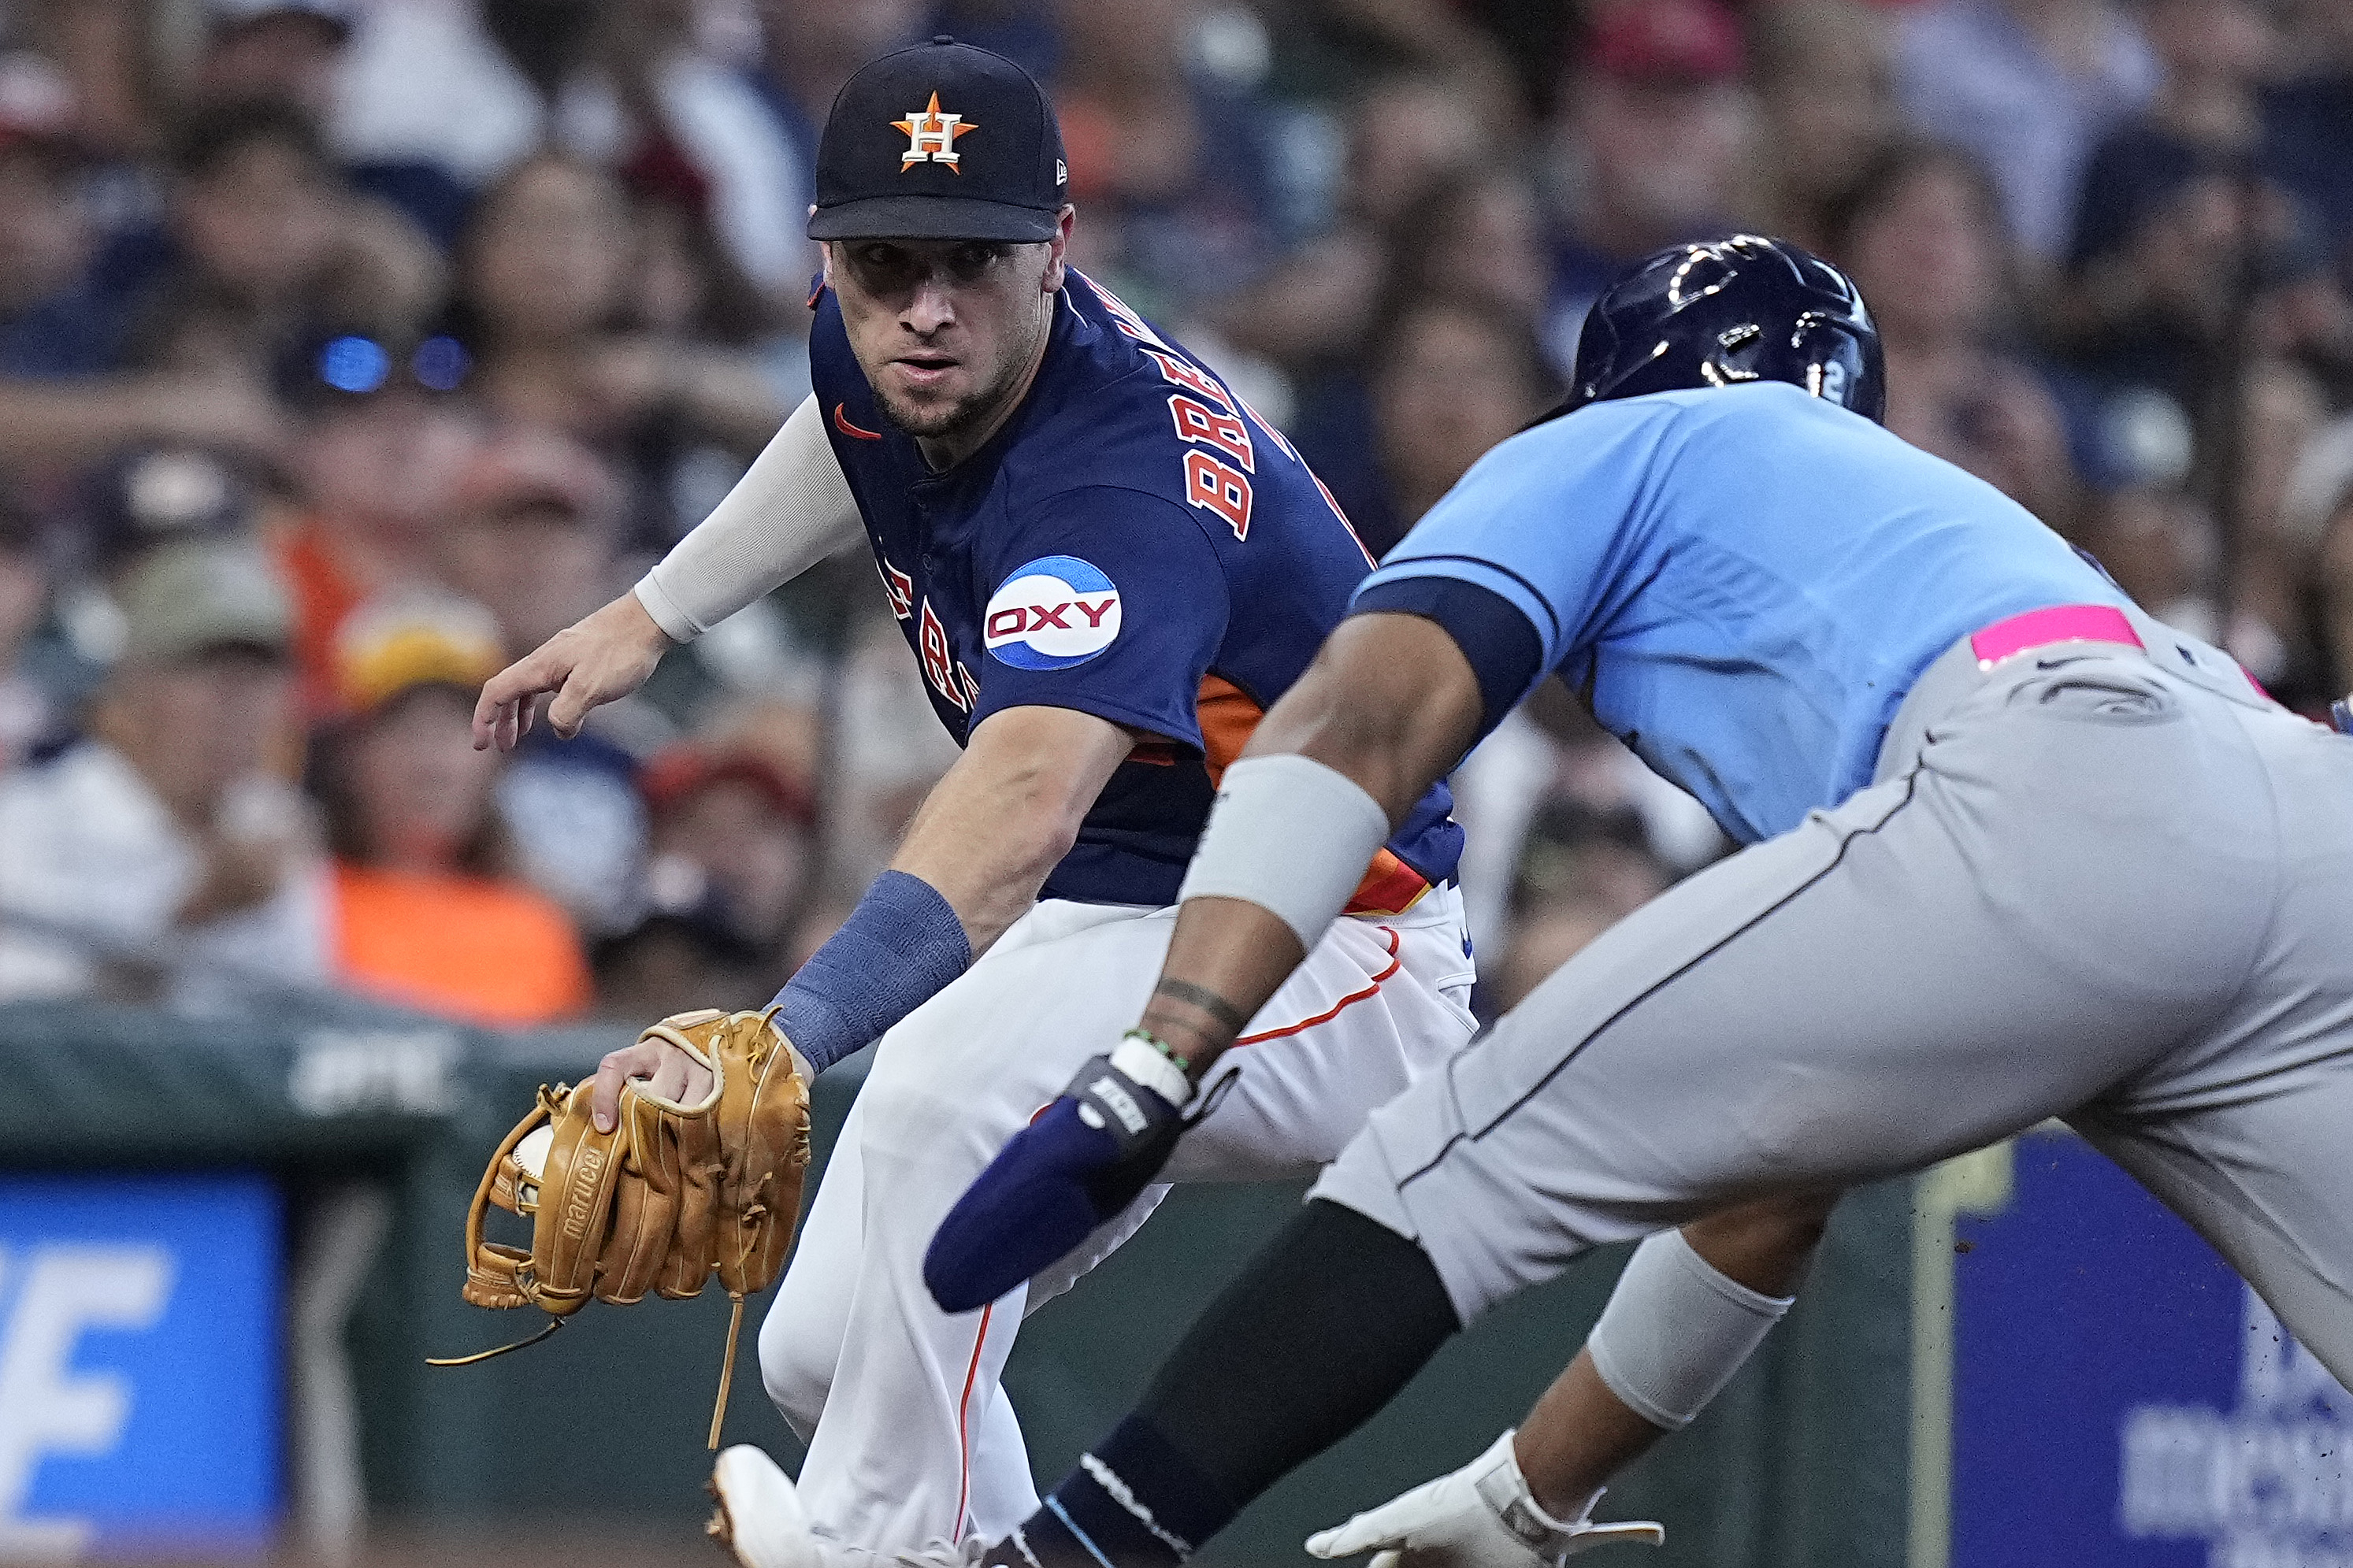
1651	147
1825	78
260	241
733	845
428	911
165	855
2029	86
150	496
299	53
532	538
1921	232
282	50
255	201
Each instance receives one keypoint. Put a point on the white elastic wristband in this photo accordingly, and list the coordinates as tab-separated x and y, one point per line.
792	509
1153	1071
1291	836
1675	1329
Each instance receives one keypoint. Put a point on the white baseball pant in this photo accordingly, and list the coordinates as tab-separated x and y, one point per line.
2093	883
911	1443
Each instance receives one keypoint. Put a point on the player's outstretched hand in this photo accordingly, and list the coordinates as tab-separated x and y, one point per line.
593	661
1481	1516
1084	1159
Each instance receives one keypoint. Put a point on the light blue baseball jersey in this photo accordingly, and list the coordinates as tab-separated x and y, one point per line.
1744	582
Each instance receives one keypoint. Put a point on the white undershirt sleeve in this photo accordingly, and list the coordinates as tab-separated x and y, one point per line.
791	510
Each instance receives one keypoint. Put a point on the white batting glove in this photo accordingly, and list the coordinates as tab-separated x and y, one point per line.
1481	1516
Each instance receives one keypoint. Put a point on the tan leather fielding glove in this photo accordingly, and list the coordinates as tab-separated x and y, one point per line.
673	1193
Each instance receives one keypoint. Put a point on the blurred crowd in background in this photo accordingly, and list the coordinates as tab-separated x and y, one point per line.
350	348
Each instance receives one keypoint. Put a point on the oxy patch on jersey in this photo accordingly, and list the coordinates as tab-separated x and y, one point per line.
1053	613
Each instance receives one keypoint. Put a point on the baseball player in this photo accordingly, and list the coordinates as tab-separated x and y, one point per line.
2017	851
1105	565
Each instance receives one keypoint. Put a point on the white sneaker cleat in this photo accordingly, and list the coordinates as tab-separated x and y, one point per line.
760	1521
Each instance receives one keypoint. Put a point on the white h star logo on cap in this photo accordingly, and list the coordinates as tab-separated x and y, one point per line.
931	136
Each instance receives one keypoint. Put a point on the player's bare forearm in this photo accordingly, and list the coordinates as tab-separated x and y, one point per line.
1392	703
992	828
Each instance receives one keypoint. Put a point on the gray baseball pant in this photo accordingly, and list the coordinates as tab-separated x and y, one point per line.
2090	882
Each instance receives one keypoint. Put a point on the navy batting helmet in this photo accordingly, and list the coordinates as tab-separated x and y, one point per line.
1740	308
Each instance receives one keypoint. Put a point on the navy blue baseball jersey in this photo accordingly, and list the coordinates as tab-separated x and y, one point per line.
1135	543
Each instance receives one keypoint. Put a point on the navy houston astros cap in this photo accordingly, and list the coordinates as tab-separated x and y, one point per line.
942	140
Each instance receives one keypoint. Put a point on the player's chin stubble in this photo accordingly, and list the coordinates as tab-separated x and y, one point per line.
941	422
937	421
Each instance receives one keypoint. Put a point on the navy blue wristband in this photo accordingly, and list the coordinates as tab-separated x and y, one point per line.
899	948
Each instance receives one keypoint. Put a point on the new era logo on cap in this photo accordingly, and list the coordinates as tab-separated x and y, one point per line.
900	159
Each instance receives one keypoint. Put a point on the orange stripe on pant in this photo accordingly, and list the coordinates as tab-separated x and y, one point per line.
1397	961
964	1437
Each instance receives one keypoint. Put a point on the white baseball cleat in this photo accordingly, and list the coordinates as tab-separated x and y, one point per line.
761	1524
760	1521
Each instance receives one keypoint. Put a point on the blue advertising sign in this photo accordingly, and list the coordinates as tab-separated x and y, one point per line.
139	1363
2120	1397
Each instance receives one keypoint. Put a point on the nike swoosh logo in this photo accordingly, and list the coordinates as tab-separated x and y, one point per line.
841	423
